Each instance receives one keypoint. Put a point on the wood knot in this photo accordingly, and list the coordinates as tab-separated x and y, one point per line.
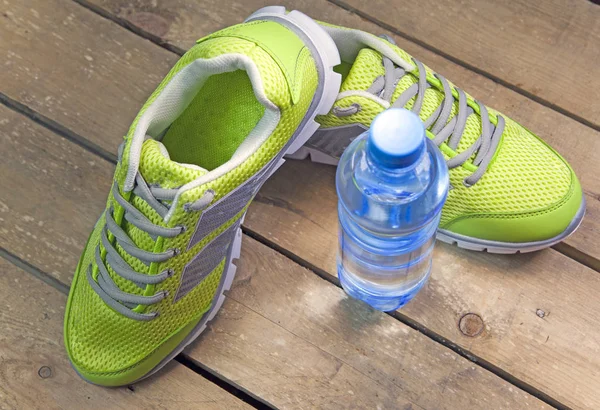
44	372
471	324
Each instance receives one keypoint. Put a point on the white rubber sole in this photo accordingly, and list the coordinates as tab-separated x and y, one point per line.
326	56
482	245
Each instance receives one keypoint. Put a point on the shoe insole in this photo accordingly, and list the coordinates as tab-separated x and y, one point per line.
216	122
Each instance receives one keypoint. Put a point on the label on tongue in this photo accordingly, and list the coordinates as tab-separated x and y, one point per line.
158	169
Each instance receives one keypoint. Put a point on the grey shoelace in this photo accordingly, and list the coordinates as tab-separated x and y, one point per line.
485	146
105	286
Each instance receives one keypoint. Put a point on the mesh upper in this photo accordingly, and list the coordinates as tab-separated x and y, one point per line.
525	176
101	340
160	170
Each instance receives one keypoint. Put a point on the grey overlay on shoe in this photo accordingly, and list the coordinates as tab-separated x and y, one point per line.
231	204
335	140
211	218
206	261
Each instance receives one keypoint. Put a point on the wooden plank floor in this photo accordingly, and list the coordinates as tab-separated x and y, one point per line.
35	372
286	337
267	322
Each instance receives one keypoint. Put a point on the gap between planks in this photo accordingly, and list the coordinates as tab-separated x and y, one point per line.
213	377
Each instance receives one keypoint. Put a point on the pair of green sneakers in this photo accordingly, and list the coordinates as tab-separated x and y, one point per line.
159	259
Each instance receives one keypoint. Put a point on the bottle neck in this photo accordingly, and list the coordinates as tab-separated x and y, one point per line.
392	171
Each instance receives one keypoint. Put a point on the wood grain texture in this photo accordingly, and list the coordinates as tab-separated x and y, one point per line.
40	173
547	48
36	374
314	347
284	334
108	101
313	236
71	65
558	353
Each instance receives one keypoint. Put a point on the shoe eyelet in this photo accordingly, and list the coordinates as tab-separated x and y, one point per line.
346	112
183	229
170	273
176	251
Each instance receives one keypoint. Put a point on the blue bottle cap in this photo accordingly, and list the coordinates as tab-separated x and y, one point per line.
396	138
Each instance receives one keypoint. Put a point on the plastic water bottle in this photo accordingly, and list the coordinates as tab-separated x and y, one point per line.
391	182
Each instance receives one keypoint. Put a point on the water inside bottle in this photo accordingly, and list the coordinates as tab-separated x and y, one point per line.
386	280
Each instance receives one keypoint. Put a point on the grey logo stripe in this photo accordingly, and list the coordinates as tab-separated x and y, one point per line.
213	217
216	215
206	261
230	205
333	141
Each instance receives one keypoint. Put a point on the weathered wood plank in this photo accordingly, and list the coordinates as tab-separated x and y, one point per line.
71	65
342	354
100	106
35	372
274	336
547	48
38	168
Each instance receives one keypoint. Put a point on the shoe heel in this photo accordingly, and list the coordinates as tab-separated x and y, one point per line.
326	55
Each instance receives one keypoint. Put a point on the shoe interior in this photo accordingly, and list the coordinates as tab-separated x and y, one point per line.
216	122
343	69
213	113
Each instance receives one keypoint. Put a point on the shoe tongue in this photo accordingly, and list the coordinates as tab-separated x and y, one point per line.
158	169
368	66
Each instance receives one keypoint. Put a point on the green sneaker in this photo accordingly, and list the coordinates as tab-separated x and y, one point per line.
510	192
156	265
